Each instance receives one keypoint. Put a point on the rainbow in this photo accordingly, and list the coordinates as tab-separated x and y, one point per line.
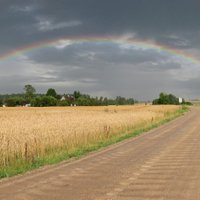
145	44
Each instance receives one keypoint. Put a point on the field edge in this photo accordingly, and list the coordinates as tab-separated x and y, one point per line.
80	152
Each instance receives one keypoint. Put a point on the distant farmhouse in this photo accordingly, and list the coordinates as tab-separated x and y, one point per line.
68	97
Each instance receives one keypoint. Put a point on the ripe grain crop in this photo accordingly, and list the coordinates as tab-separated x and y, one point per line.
28	134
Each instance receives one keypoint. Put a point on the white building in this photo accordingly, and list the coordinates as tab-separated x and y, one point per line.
180	100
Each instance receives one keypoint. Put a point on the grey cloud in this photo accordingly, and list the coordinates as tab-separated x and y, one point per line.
159	66
49	25
175	42
24	8
148	19
90	54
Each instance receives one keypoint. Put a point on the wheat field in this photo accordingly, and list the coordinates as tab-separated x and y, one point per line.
30	133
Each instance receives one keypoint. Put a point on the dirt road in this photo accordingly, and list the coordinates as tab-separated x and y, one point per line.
162	164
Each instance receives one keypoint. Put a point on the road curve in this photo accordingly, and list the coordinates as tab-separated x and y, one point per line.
161	164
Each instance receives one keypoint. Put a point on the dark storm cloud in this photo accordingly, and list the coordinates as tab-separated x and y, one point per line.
26	21
101	68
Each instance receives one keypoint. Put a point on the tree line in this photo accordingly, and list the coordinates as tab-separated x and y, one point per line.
169	99
51	98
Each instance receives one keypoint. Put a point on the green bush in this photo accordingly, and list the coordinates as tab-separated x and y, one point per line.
187	103
63	103
44	101
15	101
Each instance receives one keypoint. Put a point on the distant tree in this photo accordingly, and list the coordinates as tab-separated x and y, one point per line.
130	101
101	99
44	101
105	101
1	102
120	100
36	102
15	101
173	99
155	102
51	92
82	101
29	92
166	99
77	94
10	102
58	96
48	101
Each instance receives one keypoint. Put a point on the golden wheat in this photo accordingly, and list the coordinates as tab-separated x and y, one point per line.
28	133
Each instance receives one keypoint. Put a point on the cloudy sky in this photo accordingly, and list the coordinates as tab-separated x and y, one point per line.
101	68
